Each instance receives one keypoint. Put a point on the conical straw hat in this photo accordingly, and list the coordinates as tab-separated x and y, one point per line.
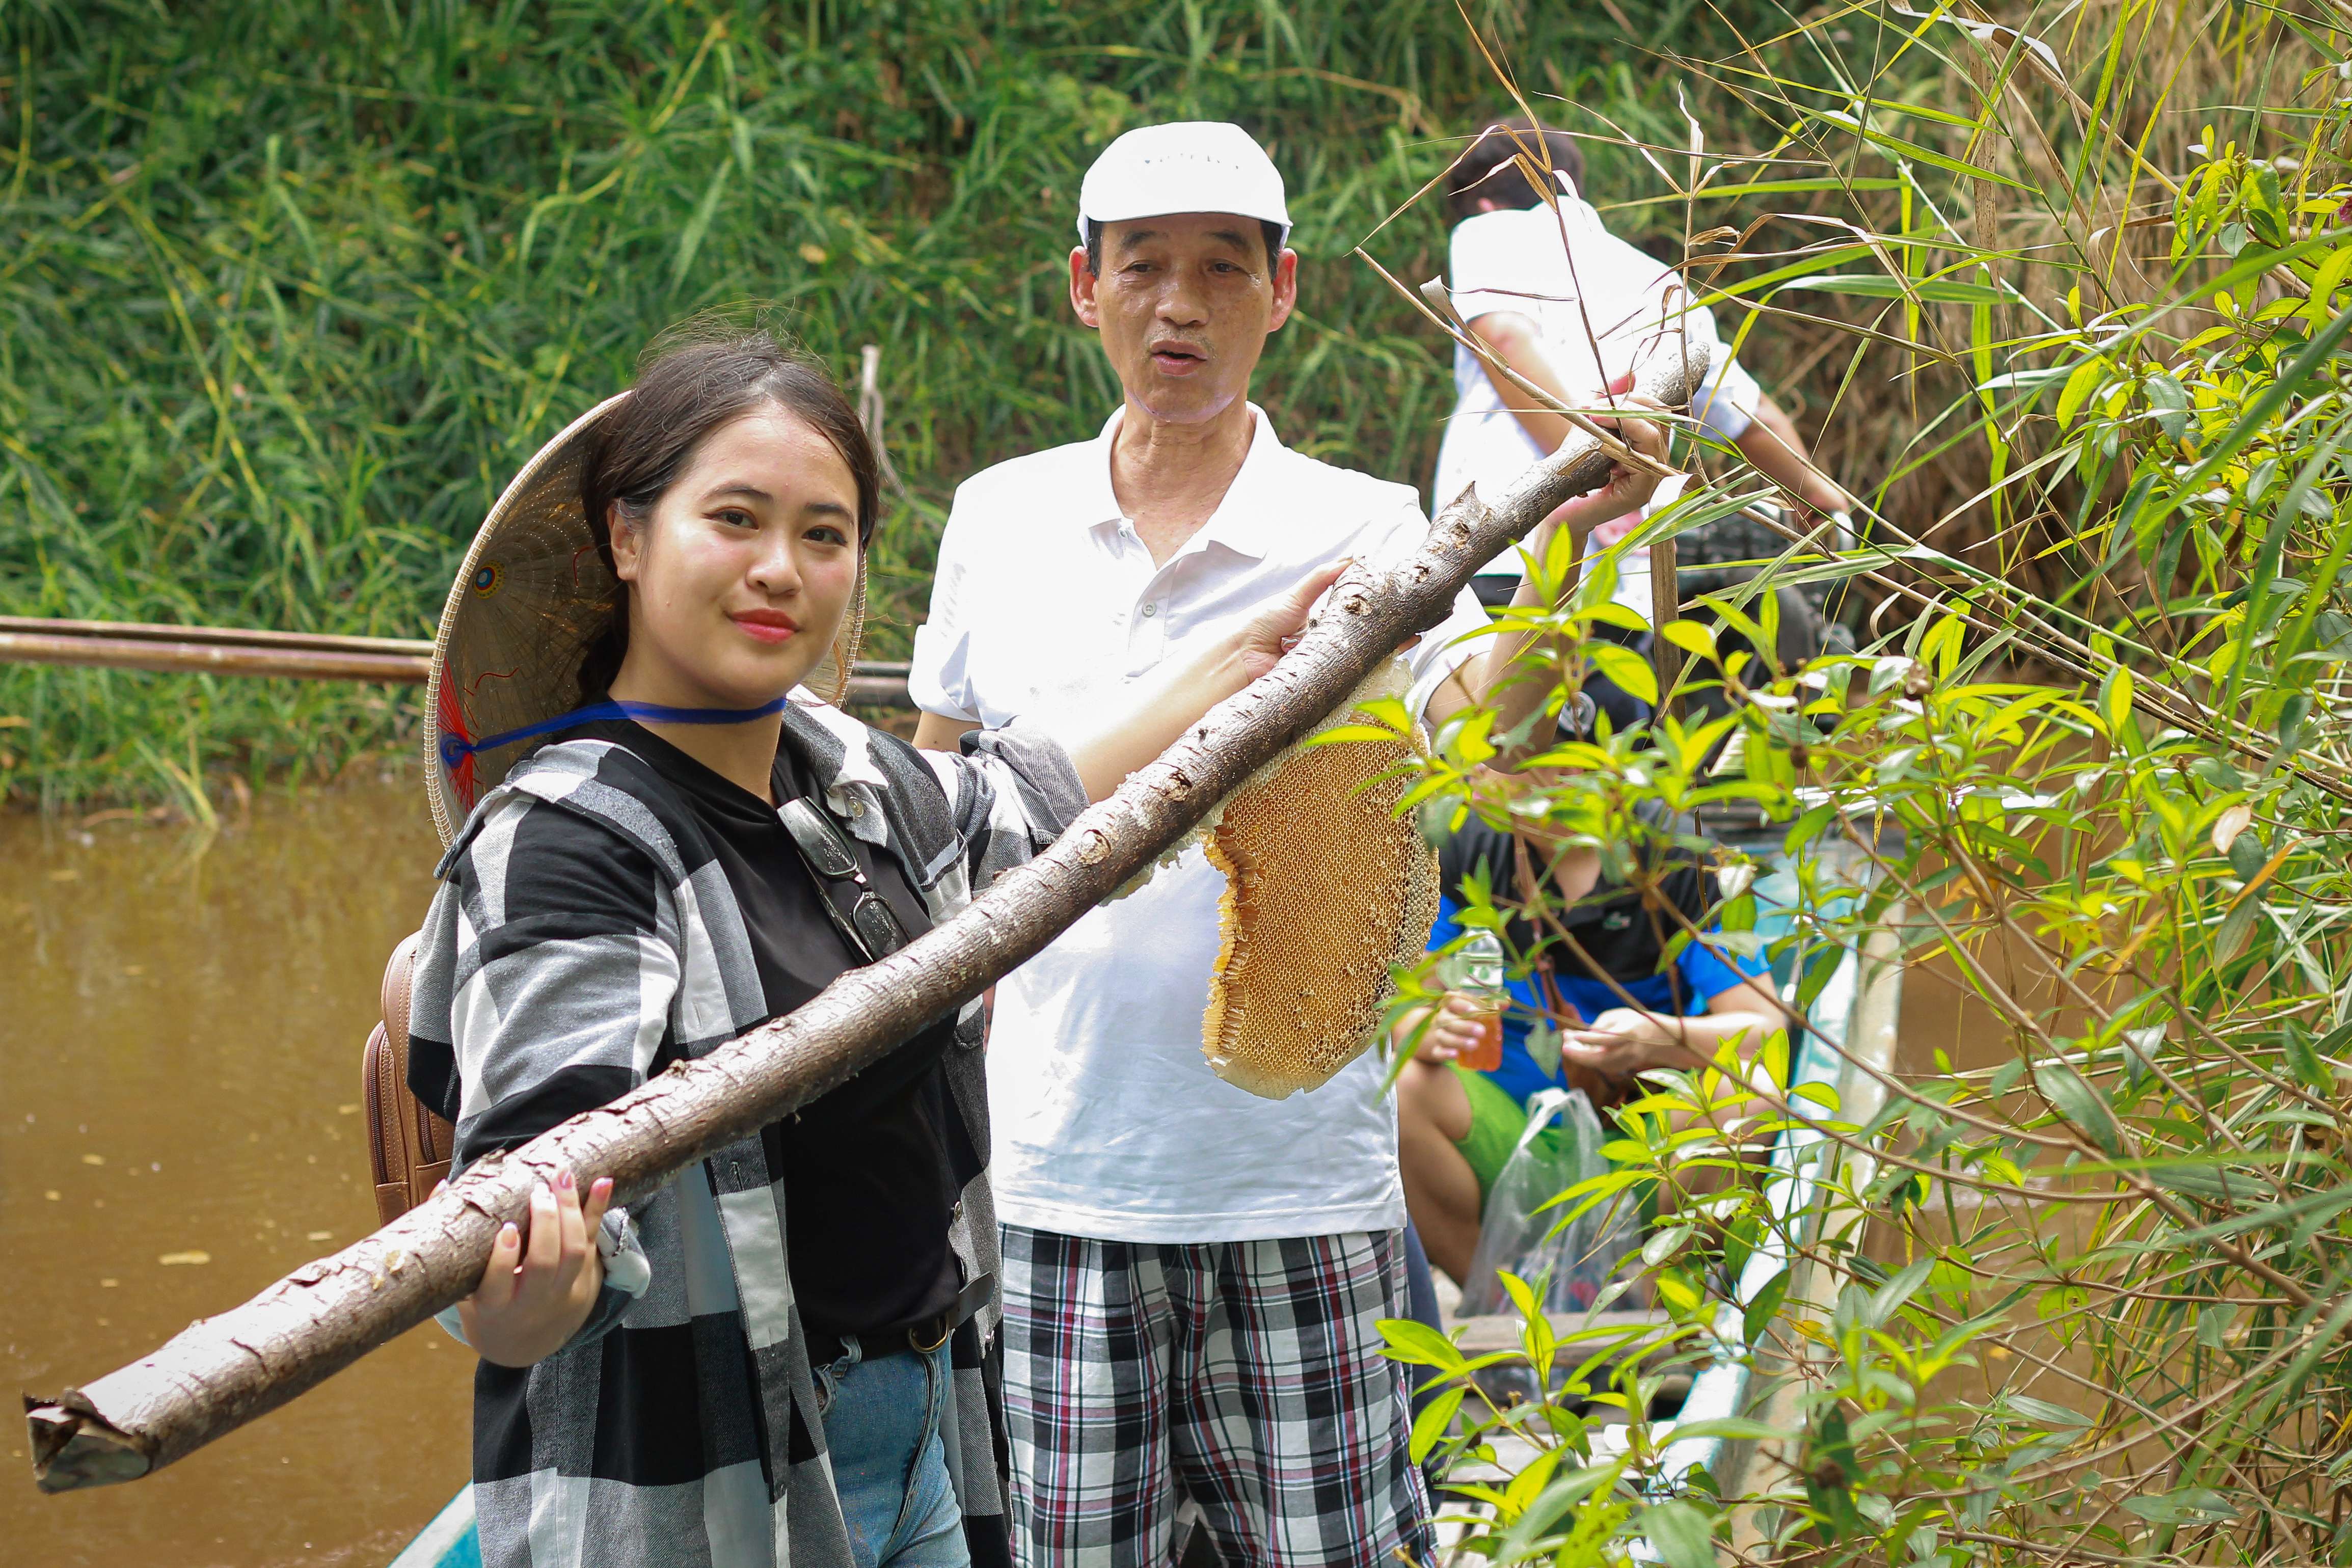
533	594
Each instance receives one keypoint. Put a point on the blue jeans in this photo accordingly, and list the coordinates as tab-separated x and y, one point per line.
890	1466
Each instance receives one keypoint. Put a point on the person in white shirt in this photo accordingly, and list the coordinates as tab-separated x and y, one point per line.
1192	1275
1553	295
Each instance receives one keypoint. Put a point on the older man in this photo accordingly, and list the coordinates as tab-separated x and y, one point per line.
1192	1275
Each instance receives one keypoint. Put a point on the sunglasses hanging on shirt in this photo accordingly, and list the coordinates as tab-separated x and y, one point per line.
866	921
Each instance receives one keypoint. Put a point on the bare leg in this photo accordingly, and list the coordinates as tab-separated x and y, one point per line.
1441	1190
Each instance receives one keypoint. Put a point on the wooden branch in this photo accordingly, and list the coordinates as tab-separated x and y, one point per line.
163	631
1665	604
211	658
302	656
220	1372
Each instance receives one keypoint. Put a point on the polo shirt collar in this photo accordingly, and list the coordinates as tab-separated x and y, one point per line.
1252	504
1092	501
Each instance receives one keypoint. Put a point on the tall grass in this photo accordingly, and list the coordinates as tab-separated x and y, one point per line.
286	290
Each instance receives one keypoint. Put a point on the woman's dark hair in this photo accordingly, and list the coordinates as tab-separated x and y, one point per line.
683	392
1490	167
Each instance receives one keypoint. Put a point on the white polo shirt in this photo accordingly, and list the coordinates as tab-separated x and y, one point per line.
1585	289
1106	1120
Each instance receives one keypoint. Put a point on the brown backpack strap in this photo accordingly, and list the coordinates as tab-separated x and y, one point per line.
409	1147
1603	1091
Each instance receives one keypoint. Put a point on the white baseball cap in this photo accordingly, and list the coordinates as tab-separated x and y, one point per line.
1185	166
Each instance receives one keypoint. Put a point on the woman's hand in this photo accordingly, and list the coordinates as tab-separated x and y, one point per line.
1110	742
539	1287
1455	1028
1623	1041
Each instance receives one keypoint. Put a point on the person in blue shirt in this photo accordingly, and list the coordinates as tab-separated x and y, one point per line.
1617	1008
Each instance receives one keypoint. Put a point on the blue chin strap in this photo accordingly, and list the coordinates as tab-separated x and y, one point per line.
456	749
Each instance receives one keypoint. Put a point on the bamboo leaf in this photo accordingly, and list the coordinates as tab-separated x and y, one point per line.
2237	926
1935	290
2170	399
1683	1535
1889	1298
2189	1505
1692	637
1730	1429
1760	1313
2085	380
1627	669
1418	1345
2079	1102
1547	1507
1435	1419
2233	821
2116	702
2045	1411
691	238
2325	282
2307	1065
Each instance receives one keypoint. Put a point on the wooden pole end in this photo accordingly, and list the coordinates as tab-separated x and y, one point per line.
75	1447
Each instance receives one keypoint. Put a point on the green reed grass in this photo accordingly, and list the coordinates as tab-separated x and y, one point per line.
2084	305
288	290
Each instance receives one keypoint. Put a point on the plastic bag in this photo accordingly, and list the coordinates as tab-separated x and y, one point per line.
1515	1234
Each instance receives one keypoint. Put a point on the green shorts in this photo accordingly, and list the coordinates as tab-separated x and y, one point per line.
1496	1122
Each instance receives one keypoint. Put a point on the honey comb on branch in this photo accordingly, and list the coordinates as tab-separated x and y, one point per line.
1325	888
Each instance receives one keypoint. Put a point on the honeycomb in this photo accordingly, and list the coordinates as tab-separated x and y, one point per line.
1324	888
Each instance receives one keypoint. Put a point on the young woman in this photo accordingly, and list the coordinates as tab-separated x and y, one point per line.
778	1356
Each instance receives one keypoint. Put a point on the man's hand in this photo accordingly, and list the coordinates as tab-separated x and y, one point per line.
1482	678
1771	444
1628	487
537	1289
1623	1041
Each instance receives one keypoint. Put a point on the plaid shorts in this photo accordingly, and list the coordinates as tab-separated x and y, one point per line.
1244	1375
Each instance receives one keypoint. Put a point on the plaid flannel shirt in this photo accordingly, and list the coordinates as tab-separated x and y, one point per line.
681	1424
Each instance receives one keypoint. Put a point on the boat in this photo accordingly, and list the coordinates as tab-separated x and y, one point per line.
1848	1047
449	1541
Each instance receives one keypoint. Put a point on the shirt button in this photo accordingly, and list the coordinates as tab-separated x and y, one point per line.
1150	610
857	808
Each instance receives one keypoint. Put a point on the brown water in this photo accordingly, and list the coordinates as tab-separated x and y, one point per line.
181	1021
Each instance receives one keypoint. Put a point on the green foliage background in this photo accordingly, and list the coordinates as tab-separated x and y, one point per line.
286	290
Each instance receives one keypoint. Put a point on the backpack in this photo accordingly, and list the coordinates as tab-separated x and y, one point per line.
408	1146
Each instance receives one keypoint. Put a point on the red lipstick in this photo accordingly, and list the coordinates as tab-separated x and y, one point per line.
766	625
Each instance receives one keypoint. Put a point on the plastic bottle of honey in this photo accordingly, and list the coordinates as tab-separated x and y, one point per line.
1478	980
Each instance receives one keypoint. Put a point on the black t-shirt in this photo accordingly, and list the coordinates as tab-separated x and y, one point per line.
872	1171
1624	940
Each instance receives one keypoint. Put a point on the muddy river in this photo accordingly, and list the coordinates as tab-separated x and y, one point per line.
181	1020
